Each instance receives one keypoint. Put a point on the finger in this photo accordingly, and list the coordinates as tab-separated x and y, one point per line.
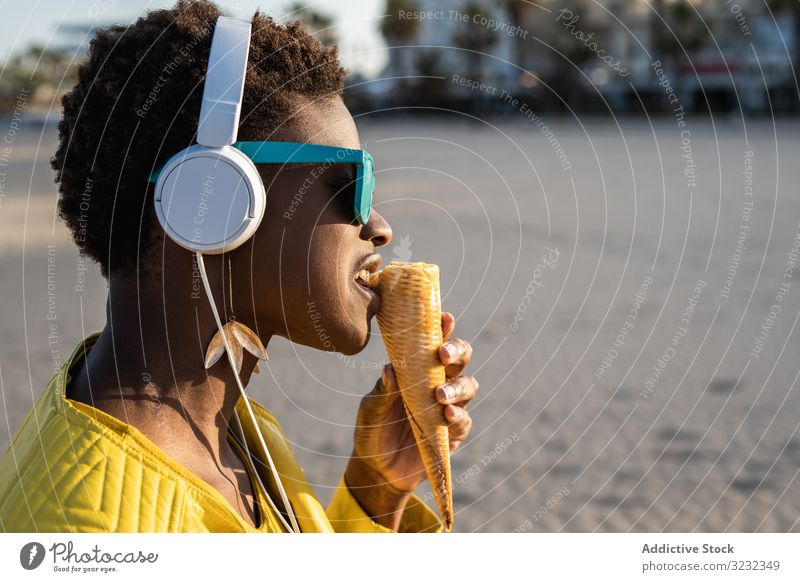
455	351
453	414
448	324
455	354
458	390
460	422
387	383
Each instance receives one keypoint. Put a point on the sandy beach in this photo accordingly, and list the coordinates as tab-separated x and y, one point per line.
630	291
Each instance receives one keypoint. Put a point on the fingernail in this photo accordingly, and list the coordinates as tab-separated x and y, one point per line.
451	391
445	392
452	350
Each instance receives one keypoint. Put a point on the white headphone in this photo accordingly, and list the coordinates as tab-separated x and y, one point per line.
209	197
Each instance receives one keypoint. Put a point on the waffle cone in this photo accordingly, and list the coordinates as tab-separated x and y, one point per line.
410	319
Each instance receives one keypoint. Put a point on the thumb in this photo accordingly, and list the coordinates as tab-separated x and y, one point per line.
384	393
388	382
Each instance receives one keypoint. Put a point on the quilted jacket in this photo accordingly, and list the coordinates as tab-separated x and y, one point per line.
73	468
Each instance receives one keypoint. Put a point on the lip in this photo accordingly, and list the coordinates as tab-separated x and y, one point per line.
371	263
369	293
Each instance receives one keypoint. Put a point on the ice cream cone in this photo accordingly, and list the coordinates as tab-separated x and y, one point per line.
410	319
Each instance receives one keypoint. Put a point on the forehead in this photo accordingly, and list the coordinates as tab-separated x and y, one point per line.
325	122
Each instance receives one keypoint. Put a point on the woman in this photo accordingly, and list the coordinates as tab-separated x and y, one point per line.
134	433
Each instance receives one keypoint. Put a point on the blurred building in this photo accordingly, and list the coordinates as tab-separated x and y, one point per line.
430	40
718	54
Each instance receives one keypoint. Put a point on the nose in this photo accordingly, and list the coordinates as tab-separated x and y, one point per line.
377	230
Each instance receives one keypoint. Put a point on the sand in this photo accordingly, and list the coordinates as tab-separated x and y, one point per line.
632	378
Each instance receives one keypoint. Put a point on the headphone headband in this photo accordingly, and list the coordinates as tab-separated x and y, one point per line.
209	197
224	85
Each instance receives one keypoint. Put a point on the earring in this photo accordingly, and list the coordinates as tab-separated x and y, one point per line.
239	336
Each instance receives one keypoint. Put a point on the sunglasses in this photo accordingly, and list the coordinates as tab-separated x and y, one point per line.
284	152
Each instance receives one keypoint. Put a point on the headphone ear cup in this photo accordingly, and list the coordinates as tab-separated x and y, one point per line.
210	200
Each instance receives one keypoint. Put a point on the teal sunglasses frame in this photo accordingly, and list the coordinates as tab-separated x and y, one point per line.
286	152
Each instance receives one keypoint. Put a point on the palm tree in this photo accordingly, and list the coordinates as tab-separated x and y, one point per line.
565	78
475	38
44	73
516	9
399	30
429	89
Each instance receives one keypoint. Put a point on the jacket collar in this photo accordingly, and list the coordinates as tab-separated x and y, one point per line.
310	514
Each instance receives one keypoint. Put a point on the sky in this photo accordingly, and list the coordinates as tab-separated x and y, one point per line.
35	21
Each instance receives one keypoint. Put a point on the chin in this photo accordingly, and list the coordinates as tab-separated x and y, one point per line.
342	322
355	332
355	341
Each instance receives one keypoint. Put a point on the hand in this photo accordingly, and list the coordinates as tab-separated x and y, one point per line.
385	452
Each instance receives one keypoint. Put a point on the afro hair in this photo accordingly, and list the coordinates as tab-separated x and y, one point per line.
137	102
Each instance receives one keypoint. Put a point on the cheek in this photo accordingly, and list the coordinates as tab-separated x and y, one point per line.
305	294
341	310
329	264
280	285
302	269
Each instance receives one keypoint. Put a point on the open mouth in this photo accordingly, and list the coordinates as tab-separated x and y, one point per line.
362	275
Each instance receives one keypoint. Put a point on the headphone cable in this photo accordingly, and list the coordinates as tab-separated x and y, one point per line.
294	528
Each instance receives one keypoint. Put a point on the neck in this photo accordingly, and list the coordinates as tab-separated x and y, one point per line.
147	367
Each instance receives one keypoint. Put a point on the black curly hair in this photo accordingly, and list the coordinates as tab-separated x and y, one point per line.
137	103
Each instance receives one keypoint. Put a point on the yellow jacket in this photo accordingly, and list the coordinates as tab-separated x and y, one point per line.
73	468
